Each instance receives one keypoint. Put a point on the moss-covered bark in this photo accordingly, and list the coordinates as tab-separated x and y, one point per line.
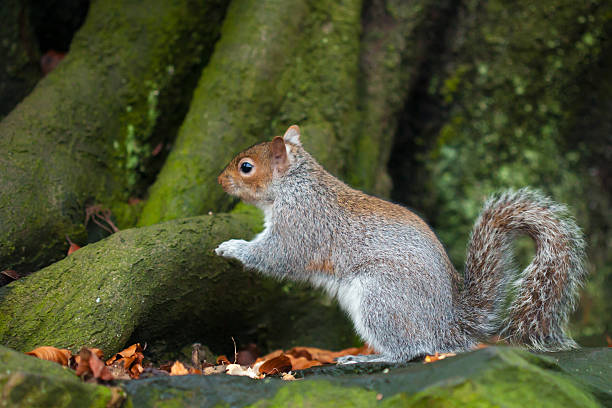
19	65
398	40
26	382
277	63
162	283
81	136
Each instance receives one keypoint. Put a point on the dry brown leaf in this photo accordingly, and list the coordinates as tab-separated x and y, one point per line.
11	274
270	356
302	363
73	247
98	368
61	356
131	351
277	365
327	356
222	359
89	364
178	369
131	359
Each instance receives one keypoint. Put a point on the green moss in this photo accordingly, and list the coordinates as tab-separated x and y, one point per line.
513	388
510	93
319	394
29	382
81	136
163	285
277	63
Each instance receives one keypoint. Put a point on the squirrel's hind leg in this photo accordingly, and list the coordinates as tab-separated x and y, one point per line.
397	315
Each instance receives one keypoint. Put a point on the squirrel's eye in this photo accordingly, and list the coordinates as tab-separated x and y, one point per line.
246	167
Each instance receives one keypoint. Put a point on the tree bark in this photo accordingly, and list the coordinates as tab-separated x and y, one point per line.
278	63
19	65
82	136
164	283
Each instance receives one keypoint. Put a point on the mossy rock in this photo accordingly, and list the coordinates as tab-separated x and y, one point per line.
496	376
27	382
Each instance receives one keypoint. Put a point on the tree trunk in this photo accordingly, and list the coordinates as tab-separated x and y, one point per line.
277	63
19	65
83	135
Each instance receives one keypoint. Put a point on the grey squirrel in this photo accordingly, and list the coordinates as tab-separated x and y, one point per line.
388	269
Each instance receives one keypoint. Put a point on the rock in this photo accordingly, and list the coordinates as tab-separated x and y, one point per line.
26	381
495	376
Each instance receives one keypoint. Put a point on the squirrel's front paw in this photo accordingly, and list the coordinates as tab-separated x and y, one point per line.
233	248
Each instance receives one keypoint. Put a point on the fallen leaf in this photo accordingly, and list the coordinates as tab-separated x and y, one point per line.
89	364
270	355
302	363
98	368
276	365
131	359
73	247
237	369
178	369
61	356
222	359
11	274
327	356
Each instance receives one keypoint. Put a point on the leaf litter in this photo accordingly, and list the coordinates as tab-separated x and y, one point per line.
129	363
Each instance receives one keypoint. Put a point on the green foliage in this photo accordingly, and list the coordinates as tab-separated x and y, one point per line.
514	90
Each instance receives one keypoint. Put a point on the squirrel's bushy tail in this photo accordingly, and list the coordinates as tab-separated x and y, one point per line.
545	292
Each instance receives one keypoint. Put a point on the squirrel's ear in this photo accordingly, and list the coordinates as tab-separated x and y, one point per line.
292	135
279	153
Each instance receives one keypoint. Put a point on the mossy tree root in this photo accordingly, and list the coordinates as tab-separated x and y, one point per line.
162	282
82	134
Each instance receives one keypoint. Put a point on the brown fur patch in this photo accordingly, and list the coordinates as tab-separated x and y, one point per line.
326	266
249	187
363	205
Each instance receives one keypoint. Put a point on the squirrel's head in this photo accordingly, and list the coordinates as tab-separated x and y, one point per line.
249	174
